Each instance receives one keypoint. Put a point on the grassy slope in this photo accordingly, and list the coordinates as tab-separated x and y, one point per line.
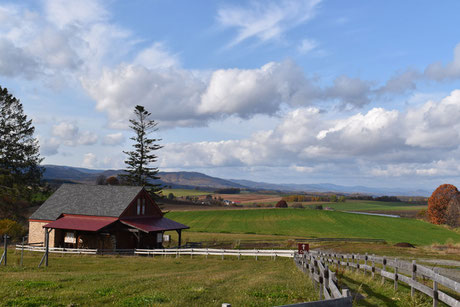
356	205
142	281
315	223
184	192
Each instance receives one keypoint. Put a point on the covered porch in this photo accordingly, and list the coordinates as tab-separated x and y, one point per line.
106	233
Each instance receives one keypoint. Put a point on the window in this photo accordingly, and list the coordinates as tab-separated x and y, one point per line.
138	206
143	206
70	238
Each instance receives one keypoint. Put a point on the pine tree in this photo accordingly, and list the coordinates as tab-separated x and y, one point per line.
19	150
138	171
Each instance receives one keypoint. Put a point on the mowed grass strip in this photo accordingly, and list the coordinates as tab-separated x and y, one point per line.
315	223
352	205
184	192
145	281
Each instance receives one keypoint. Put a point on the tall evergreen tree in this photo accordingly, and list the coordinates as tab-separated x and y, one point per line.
19	150
138	170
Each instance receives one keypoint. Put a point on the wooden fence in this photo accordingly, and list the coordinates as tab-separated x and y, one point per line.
323	278
392	269
167	251
217	252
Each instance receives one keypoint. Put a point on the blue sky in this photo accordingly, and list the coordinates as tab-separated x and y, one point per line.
308	91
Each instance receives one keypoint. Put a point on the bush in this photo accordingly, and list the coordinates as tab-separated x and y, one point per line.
112	180
281	204
297	206
12	228
319	207
171	196
422	214
453	212
439	201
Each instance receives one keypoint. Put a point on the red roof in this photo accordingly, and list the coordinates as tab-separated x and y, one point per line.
79	222
149	224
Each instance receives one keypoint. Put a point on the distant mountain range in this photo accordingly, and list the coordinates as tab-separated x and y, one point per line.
191	180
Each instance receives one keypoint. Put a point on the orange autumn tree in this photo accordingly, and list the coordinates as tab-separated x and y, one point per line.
439	201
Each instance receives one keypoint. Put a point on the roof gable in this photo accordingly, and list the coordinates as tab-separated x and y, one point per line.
95	200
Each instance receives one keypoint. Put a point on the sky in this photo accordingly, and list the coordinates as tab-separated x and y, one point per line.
308	91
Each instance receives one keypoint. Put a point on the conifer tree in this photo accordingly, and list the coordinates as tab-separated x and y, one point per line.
139	170
19	150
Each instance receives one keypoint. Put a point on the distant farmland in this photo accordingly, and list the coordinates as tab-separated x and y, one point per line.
315	223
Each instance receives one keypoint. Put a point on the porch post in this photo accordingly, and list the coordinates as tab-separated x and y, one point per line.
179	232
47	240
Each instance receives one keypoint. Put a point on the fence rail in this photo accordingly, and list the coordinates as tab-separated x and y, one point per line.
395	269
167	251
59	250
341	240
216	252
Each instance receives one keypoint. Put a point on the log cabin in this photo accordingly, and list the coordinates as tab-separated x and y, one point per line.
101	217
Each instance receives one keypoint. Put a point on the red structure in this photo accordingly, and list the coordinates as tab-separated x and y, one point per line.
102	217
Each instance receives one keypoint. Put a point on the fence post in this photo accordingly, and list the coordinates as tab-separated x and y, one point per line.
384	268
326	278
414	270
22	251
5	250
321	283
373	265
435	290
396	275
365	263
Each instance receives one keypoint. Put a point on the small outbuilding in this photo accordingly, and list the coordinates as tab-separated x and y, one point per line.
101	217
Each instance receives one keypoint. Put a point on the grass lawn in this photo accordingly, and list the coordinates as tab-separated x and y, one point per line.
315	223
184	192
141	281
357	205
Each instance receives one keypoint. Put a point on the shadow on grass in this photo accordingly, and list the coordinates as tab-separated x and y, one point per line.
355	287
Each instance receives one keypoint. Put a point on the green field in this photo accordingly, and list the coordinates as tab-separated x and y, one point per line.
141	281
361	205
315	223
184	192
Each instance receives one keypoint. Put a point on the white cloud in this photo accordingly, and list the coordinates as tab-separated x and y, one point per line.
352	92
70	135
307	45
48	146
72	39
74	13
89	160
435	125
157	57
113	139
15	61
256	91
401	82
451	70
173	94
266	20
422	140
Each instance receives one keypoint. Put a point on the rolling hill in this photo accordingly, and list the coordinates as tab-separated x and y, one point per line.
191	180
